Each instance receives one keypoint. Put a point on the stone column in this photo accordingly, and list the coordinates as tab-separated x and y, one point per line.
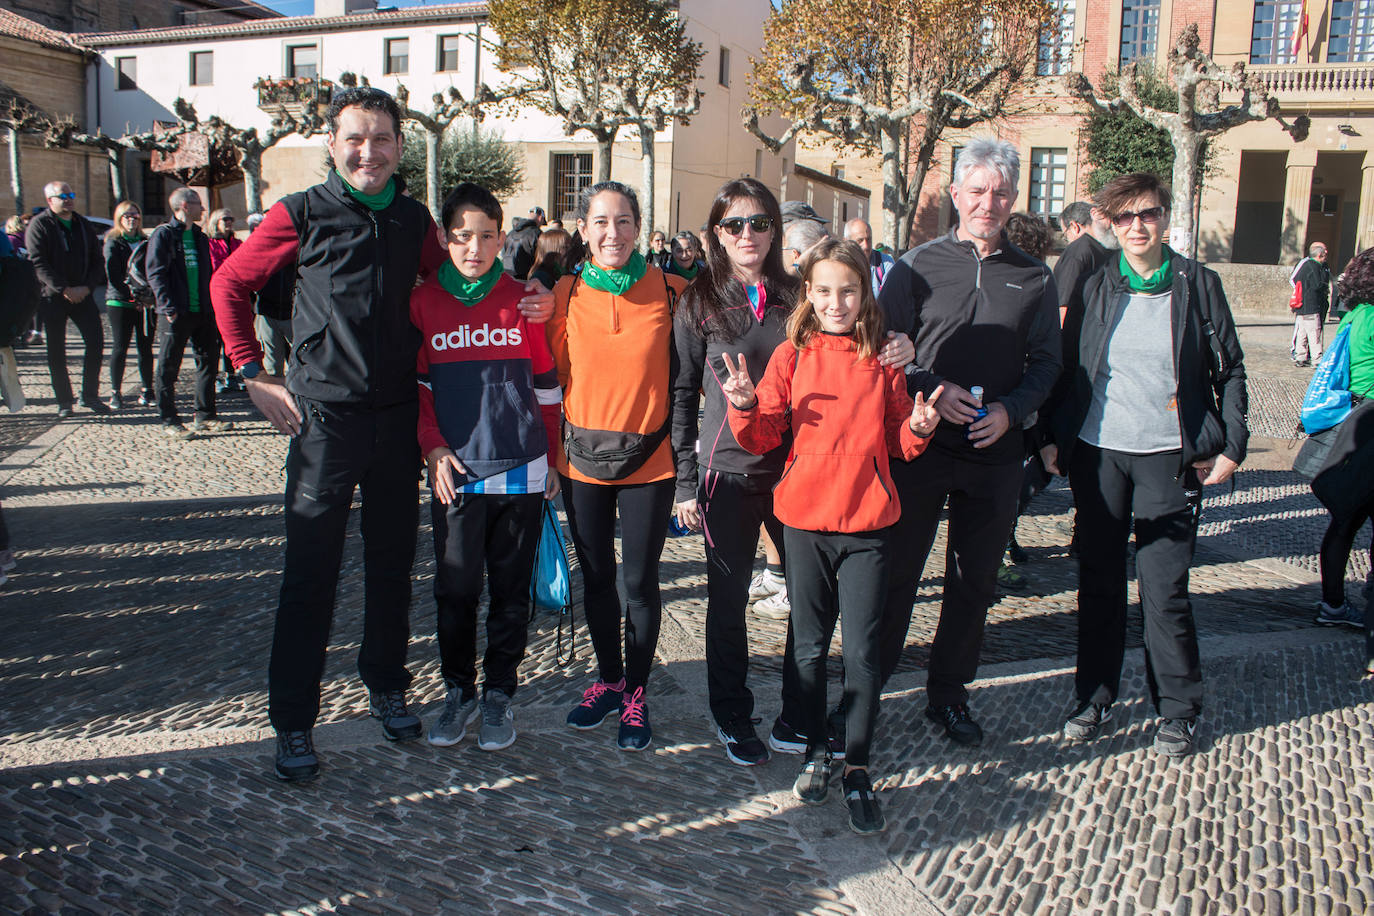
1297	200
1364	230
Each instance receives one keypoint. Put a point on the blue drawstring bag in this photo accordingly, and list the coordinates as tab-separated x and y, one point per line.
1327	401
551	585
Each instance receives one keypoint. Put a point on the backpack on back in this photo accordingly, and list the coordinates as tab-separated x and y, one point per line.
137	275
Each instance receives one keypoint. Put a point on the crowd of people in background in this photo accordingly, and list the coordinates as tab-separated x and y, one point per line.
762	382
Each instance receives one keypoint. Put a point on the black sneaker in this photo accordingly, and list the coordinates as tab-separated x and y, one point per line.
742	744
95	406
1087	720
785	739
1175	737
865	814
813	782
398	723
598	701
1016	552
635	733
957	723
296	760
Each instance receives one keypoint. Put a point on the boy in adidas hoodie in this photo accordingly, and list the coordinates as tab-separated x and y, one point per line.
489	416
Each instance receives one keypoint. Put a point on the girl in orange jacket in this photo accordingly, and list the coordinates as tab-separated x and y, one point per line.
846	413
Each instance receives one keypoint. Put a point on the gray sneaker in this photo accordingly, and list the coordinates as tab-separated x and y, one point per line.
1343	616
498	722
453	722
1087	720
211	425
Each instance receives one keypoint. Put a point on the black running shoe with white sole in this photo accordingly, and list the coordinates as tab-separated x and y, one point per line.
742	744
1175	737
785	739
957	723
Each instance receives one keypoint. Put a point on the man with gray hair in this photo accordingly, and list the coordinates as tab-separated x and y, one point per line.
984	316
879	262
1090	239
179	274
797	239
69	262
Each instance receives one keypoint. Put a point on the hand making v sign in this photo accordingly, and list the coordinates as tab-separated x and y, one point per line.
738	387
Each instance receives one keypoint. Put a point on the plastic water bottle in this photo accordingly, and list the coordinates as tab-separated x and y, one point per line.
977	392
676	529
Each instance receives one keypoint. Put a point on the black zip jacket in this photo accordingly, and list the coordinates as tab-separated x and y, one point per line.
1208	363
700	370
167	269
1315	280
990	321
63	258
1083	257
117	251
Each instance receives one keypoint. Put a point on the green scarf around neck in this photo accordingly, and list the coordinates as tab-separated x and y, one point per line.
379	201
1157	282
468	292
688	273
616	281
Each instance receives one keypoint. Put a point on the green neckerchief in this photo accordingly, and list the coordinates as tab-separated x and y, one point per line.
688	273
1157	282
66	223
468	292
378	201
131	238
616	281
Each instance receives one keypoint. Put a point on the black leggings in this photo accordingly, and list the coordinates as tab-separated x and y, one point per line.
643	510
130	324
1336	544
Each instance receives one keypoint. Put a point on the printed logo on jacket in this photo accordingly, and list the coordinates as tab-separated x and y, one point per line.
480	337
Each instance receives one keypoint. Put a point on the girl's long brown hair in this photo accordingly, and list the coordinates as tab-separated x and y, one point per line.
869	327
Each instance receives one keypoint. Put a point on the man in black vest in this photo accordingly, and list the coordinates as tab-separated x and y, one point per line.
350	404
66	255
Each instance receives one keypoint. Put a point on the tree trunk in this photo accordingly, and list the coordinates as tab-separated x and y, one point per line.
118	186
646	193
251	164
604	144
432	172
1182	232
16	181
894	186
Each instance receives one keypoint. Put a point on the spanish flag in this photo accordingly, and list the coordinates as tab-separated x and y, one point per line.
1300	32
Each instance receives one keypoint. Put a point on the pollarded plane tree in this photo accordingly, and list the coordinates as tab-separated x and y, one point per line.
892	76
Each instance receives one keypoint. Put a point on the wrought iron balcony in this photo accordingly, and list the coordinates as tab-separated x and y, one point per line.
293	93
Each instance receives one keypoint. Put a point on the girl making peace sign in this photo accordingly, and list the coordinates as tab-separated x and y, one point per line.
835	499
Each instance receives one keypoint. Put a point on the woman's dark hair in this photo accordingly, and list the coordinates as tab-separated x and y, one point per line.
1356	285
1030	233
1118	194
553	252
714	300
584	199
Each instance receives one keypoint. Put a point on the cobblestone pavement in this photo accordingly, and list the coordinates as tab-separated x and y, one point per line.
134	760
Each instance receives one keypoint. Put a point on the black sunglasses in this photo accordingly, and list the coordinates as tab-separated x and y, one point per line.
735	224
1149	217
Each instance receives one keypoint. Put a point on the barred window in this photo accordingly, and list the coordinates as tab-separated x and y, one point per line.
1055	54
571	173
1139	29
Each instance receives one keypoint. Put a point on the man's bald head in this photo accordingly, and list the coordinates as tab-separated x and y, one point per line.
858	230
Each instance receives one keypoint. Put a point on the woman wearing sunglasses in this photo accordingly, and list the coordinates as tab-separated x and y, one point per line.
611	338
1151	406
738	304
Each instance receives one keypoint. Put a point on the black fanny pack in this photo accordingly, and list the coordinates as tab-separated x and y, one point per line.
604	454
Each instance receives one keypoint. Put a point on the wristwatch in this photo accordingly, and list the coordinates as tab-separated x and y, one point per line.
250	370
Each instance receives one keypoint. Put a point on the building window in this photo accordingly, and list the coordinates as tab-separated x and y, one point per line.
202	68
1271	34
154	204
303	61
1055	54
126	69
1352	32
1139	29
397	55
1048	179
724	76
448	53
571	173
